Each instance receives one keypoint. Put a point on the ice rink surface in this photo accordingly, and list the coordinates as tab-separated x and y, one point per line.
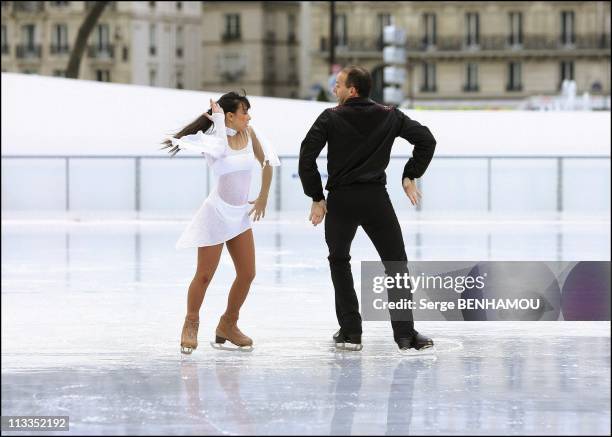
92	312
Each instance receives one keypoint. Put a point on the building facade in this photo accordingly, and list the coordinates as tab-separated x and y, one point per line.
473	50
251	45
145	43
457	51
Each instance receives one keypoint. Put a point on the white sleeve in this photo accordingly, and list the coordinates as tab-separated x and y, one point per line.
270	156
213	144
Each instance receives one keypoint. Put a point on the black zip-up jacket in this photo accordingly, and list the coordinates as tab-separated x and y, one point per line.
360	134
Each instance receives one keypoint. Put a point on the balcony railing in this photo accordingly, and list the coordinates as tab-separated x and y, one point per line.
28	51
429	89
270	37
112	6
30	7
515	87
227	37
352	44
101	51
55	49
485	43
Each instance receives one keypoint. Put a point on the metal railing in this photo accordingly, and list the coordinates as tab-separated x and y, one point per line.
101	51
59	49
137	162
25	51
229	37
30	7
594	41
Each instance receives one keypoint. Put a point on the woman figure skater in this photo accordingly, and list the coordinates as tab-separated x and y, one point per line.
224	137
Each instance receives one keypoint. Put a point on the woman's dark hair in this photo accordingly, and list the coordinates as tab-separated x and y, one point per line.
230	102
360	78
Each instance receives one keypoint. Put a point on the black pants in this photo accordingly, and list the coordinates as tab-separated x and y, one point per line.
368	207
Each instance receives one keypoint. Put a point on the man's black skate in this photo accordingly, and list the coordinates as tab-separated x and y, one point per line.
347	342
418	342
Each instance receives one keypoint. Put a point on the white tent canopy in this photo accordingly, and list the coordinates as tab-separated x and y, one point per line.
57	116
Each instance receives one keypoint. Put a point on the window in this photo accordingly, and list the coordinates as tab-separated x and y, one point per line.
567	27
471	74
341	30
152	77
101	46
291	26
102	37
60	4
382	21
179	80
429	77
125	54
472	37
59	73
180	41
231	65
179	6
5	48
28	47
103	75
152	5
567	71
516	29
59	39
152	40
429	23
27	35
514	77
232	27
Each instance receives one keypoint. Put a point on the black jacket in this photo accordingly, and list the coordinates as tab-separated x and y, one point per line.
360	134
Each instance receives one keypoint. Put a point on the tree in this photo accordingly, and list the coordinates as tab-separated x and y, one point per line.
91	19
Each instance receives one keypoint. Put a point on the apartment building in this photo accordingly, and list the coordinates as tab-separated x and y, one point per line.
252	45
145	43
478	51
470	50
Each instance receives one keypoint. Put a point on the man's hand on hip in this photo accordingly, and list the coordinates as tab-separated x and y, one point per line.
410	188
317	212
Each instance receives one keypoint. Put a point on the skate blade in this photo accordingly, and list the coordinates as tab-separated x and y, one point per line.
221	347
427	350
349	346
186	350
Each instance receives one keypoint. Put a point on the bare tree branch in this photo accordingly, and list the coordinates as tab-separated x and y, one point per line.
81	40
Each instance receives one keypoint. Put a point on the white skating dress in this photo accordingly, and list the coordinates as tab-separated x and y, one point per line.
224	213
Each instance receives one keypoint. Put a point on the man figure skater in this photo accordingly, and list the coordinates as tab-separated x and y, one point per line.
360	133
